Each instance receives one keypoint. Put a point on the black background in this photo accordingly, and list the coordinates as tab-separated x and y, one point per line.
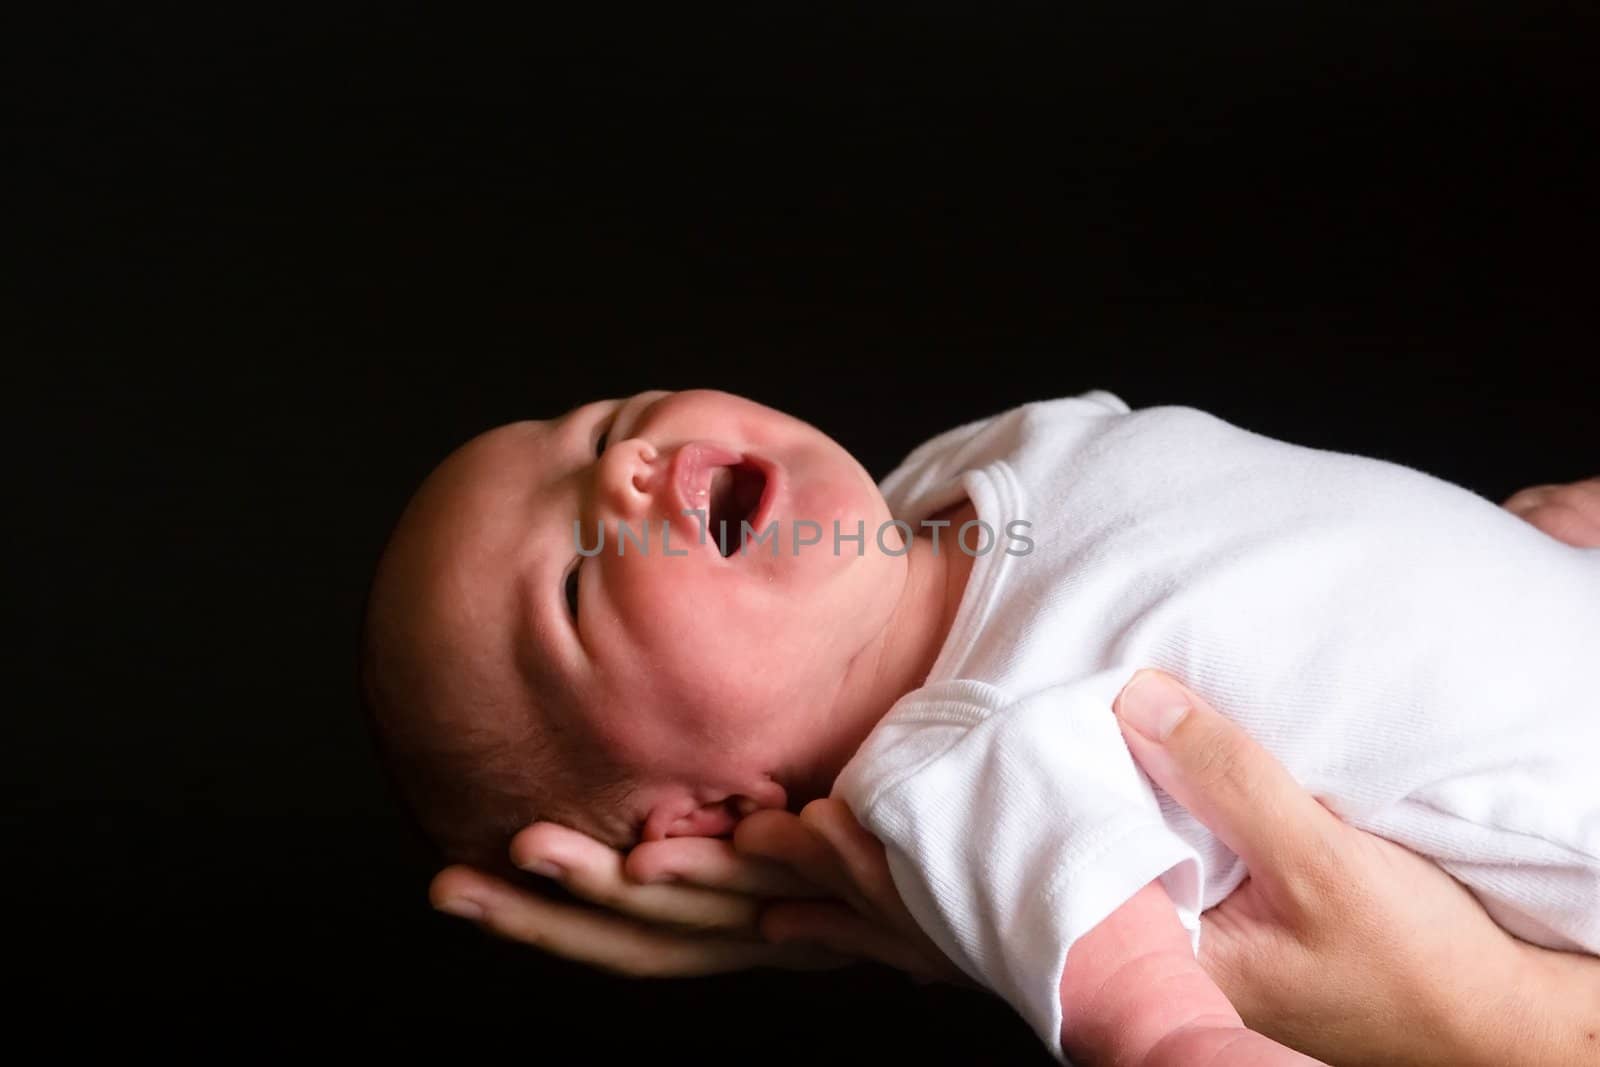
270	266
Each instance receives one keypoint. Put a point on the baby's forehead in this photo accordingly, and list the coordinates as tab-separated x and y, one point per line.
493	453
497	528
484	489
465	520
510	453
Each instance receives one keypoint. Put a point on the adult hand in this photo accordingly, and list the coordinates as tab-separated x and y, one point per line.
644	924
862	914
1341	944
1345	945
1569	513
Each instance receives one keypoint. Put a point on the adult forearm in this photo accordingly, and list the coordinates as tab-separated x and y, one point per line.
1550	1015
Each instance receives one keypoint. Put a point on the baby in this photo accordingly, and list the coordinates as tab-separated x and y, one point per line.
650	617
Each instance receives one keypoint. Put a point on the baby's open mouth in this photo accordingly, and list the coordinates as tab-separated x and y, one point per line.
725	490
735	495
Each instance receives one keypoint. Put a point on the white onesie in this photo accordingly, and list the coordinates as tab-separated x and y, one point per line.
1421	660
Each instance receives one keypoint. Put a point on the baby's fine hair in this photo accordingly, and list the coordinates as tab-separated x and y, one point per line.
468	789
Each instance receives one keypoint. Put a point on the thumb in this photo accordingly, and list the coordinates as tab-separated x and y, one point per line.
1224	779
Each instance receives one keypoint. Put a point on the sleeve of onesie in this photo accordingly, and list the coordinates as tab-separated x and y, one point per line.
1011	833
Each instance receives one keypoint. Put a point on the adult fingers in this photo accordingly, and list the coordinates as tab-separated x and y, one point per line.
713	863
1230	783
861	855
1569	513
605	939
1532	496
1579	492
786	839
843	931
595	872
1565	523
866	860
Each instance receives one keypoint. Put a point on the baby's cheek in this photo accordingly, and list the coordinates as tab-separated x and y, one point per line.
713	636
672	616
651	589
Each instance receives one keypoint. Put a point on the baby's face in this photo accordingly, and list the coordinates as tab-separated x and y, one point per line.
673	655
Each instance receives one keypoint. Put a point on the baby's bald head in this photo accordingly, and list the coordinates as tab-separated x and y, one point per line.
475	738
641	691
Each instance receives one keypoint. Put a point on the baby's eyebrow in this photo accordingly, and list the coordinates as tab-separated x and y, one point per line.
617	408
540	628
581	430
531	641
563	437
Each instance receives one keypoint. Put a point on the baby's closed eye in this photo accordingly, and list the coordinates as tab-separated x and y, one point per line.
571	585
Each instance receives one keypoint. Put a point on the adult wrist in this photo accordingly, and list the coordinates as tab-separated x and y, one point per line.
1565	1015
1546	1012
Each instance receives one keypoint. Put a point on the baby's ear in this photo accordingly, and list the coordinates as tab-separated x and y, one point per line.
683	817
707	820
680	812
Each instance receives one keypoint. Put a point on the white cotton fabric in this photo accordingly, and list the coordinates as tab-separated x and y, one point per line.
1421	660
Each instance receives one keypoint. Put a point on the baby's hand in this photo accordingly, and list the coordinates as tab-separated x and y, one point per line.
1569	513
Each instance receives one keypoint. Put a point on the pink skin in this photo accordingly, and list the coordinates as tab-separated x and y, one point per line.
671	662
1132	992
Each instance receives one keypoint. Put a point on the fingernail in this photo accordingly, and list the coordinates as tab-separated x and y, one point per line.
461	908
1153	705
545	869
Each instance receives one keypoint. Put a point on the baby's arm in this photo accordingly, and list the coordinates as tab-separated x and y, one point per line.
1132	993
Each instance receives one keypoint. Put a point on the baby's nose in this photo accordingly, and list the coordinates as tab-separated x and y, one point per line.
626	474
